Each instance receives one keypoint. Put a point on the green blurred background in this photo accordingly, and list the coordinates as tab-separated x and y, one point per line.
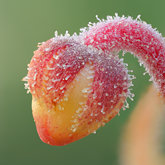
22	25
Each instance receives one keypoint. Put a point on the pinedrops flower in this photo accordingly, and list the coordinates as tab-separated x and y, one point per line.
78	83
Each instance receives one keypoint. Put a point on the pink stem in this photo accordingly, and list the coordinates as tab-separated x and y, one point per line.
137	37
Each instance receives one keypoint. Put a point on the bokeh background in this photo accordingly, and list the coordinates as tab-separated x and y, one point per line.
24	23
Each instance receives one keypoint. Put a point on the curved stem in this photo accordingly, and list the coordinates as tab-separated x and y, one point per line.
137	37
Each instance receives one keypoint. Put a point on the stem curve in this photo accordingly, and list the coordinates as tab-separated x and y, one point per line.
135	36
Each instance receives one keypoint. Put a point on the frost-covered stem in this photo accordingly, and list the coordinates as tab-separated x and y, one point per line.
135	36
